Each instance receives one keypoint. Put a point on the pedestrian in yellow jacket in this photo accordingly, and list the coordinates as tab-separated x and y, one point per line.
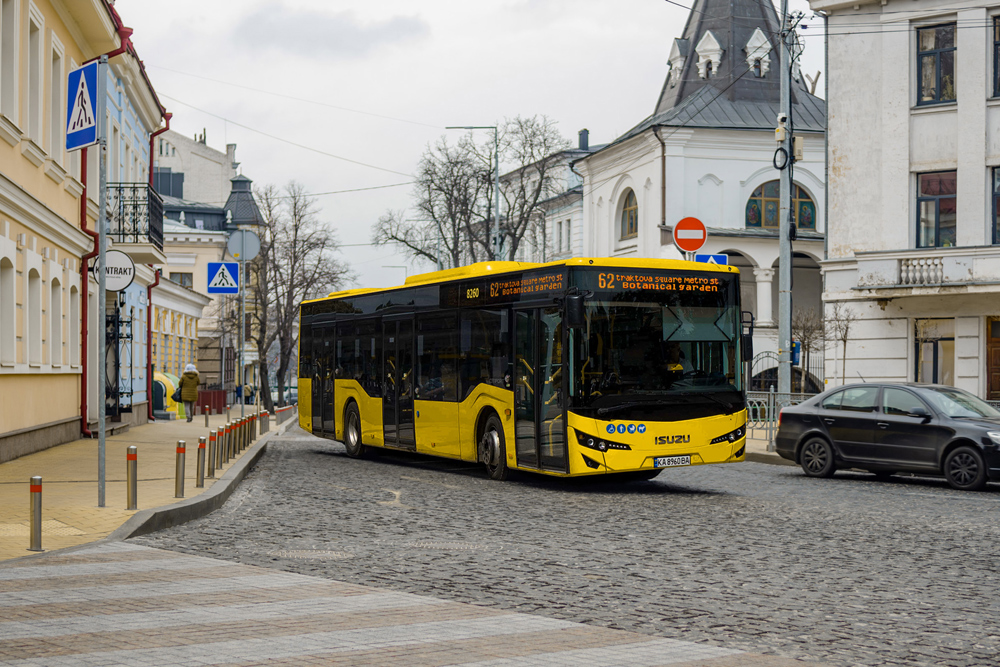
189	390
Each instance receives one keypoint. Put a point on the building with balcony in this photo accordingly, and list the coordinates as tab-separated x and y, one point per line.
914	197
48	211
707	152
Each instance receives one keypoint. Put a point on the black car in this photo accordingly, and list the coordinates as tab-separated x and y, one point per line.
889	428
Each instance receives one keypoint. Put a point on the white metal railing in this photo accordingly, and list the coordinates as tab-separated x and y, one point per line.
763	408
921	271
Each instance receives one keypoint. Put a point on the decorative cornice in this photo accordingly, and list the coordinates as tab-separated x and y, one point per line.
55	171
32	151
23	208
10	132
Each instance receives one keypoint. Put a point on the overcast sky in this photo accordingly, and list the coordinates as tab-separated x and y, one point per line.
377	82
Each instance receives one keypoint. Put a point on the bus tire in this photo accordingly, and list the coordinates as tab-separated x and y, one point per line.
353	433
493	449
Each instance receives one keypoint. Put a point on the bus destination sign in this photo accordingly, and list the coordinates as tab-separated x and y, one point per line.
512	288
654	281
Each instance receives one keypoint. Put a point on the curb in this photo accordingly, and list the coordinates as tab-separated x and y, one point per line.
158	518
770	459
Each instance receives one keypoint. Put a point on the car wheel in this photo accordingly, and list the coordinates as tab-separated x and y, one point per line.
816	458
965	469
352	433
493	450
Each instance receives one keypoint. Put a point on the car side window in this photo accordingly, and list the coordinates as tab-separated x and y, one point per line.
860	399
899	402
832	402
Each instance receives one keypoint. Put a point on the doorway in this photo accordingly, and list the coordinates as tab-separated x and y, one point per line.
397	373
539	389
993	358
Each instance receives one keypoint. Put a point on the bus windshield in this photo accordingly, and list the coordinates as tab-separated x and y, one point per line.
658	353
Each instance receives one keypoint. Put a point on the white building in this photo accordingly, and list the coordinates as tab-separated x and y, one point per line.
189	169
915	152
707	152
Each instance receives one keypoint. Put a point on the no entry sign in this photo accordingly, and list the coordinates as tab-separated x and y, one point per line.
690	234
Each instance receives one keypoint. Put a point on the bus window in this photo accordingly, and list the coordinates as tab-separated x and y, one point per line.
437	358
485	348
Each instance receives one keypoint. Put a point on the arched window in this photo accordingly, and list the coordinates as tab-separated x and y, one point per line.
630	215
763	206
8	340
74	326
34	318
55	323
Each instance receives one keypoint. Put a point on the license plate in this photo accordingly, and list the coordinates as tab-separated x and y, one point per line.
671	461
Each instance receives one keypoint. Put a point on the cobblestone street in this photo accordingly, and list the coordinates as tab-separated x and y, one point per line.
749	556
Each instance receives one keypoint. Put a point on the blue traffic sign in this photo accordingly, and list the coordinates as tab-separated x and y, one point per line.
712	259
81	107
223	278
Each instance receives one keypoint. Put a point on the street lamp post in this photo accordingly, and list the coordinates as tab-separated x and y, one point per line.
496	179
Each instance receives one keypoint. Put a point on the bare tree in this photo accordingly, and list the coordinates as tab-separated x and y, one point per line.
297	262
841	321
809	330
453	219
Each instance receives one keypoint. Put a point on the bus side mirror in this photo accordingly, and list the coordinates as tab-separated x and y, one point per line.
575	316
746	320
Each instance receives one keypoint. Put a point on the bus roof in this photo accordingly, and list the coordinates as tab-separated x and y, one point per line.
493	268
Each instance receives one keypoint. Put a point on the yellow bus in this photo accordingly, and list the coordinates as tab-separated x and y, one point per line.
569	368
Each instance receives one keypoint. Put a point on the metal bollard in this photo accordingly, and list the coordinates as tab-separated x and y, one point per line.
206	416
179	474
228	418
200	475
227	448
36	514
212	453
132	477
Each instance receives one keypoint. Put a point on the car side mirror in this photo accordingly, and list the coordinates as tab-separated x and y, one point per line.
920	413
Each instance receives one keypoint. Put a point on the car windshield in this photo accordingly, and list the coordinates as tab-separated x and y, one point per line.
958	403
644	349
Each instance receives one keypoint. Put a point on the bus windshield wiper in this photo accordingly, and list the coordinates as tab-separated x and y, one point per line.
631	404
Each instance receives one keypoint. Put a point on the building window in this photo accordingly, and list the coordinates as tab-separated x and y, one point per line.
936	209
630	216
74	326
996	56
996	205
183	279
55	323
9	33
57	109
33	333
935	350
765	202
8	312
569	236
936	64
35	78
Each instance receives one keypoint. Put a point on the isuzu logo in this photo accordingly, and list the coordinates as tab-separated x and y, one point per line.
671	439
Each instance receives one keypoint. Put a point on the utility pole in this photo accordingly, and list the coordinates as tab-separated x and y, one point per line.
784	137
102	292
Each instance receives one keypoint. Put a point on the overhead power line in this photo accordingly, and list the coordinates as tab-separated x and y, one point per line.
297	99
282	139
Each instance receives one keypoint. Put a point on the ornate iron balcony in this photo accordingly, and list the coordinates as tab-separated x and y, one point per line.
135	214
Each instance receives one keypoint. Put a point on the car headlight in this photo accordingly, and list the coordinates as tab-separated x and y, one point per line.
733	436
994	436
600	444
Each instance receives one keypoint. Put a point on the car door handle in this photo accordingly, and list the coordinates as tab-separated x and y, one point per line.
883	424
829	420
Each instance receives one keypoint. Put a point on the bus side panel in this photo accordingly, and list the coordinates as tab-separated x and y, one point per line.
370	408
437	428
484	395
305	404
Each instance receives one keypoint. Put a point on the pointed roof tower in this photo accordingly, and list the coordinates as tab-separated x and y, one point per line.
241	207
723	73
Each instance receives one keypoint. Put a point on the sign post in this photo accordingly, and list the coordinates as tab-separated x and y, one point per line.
689	236
244	246
86	102
102	294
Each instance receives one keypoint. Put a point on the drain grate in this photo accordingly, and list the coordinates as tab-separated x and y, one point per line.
446	546
305	554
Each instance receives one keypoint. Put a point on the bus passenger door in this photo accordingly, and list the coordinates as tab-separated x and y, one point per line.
540	430
319	370
397	376
330	356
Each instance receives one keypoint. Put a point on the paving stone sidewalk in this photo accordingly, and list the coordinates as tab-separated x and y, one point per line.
123	604
70	515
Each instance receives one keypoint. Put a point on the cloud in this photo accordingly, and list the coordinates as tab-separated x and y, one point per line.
315	33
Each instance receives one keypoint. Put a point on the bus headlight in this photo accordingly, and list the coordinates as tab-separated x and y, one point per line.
600	444
732	436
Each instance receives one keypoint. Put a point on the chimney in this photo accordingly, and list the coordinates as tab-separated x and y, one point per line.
584	139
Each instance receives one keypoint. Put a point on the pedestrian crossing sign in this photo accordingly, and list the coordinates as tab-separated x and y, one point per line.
223	278
81	107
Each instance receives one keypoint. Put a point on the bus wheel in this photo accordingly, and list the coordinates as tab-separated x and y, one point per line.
352	432
492	450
